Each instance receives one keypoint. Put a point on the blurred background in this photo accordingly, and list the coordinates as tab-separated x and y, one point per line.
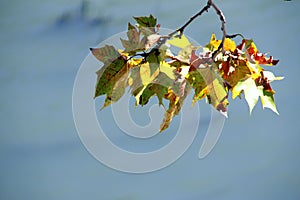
42	45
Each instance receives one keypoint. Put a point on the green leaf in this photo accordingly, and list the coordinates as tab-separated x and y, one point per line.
135	81
146	21
147	73
154	62
151	90
112	76
216	92
146	95
146	24
168	70
119	87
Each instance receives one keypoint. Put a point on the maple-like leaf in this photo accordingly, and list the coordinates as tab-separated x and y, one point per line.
133	44
235	71
111	74
180	42
153	89
148	65
253	92
173	98
267	100
250	90
216	92
208	82
213	45
141	81
196	80
257	57
146	24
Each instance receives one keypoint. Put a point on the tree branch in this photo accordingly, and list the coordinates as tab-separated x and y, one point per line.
180	30
223	20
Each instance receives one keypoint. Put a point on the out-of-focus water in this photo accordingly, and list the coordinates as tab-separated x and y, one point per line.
257	157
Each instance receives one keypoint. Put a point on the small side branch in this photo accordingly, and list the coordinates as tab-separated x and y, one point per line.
178	32
223	28
182	28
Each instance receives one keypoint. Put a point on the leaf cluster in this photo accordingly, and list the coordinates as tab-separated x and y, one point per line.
151	67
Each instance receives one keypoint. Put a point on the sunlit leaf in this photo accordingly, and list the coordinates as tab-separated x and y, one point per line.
180	42
229	45
146	75
168	67
267	100
271	77
217	93
257	57
250	90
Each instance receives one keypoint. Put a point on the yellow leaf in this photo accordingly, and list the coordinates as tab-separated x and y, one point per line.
229	45
168	70
179	42
169	114
255	69
214	42
145	73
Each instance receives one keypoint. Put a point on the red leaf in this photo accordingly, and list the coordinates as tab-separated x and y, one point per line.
225	67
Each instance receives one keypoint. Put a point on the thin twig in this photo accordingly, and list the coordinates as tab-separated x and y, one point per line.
180	30
223	28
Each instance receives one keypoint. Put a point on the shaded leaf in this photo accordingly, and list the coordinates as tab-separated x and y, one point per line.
170	112
146	24
151	90
112	77
133	44
146	21
106	54
196	80
237	71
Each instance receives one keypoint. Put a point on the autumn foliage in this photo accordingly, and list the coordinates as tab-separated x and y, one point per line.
169	67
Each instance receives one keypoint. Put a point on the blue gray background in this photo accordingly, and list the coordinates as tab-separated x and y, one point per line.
257	157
